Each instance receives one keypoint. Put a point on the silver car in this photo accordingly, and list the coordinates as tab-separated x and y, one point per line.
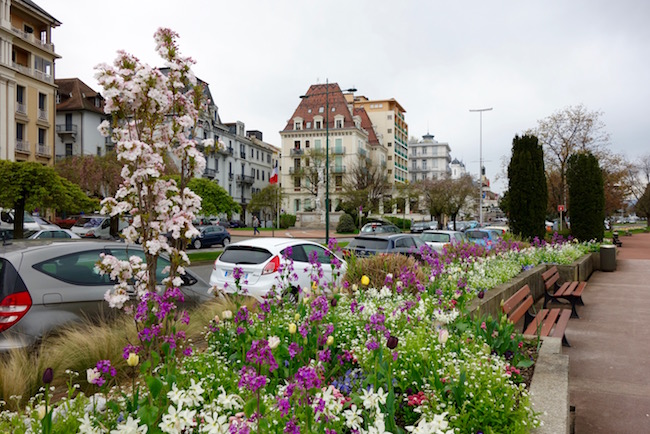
47	284
439	239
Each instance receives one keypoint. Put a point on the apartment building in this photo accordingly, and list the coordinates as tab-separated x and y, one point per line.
323	120
27	88
387	117
429	159
79	111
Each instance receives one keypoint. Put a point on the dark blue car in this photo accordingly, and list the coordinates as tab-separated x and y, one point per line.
368	245
211	235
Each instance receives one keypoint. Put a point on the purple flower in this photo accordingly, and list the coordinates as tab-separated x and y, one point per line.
291	427
260	353
372	344
319	308
250	380
284	406
307	378
294	349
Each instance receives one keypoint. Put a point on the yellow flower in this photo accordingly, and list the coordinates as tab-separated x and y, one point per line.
314	286
365	280
226	314
330	340
133	359
296	317
41	412
292	328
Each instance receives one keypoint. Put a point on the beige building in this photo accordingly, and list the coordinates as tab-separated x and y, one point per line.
27	89
387	116
324	115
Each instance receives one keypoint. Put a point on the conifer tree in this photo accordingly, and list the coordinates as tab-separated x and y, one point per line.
586	197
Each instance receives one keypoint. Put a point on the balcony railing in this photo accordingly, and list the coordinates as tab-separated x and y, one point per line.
338	169
339	150
363	152
245	179
225	151
21	108
297	151
42	114
30	37
23	146
242	154
231	176
68	129
295	170
209	173
43	150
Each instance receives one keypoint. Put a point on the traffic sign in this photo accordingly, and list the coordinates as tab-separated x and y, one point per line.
560	208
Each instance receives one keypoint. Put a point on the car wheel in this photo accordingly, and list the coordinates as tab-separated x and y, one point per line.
290	294
225	242
197	244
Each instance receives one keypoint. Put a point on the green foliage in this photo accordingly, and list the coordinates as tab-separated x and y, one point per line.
346	225
587	197
269	199
287	220
527	190
642	206
30	185
404	224
214	199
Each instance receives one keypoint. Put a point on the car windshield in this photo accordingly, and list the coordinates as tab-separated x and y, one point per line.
369	243
244	255
88	222
476	234
436	238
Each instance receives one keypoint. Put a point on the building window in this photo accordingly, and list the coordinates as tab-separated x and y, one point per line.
321	109
230	189
390	131
258	173
68	149
42	101
99	151
339	123
390	158
390	144
296	205
319	125
389	117
20	132
306	143
338	181
424	164
20	94
268	158
296	182
297	125
308	125
317	143
262	175
424	151
258	155
41	136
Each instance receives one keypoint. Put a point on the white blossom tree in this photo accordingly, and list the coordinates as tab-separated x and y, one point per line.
153	115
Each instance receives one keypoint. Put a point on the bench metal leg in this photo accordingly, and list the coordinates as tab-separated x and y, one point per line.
565	342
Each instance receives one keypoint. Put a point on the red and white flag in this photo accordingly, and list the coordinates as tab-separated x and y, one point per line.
273	179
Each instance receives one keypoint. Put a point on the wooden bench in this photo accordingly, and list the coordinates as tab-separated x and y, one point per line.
547	322
570	291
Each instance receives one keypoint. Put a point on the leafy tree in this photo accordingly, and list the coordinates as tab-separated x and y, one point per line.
346	225
460	190
564	133
312	170
642	206
268	199
586	192
214	199
30	185
527	190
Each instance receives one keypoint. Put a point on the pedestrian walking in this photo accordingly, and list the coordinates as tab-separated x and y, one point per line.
256	225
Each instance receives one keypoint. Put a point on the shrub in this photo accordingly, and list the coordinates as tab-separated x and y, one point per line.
346	225
287	221
586	197
378	266
404	224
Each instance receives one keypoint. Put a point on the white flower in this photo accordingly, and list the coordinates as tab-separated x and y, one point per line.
215	424
443	335
130	426
436	426
86	426
92	375
274	341
226	314
353	417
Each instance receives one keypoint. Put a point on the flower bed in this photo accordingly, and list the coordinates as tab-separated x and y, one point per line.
391	356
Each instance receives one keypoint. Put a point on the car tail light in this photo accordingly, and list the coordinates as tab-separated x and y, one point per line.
272	266
12	308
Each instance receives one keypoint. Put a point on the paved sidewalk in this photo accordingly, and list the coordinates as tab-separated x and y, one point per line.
609	360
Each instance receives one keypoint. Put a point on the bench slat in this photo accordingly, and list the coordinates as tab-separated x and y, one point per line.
562	323
579	290
515	299
548	273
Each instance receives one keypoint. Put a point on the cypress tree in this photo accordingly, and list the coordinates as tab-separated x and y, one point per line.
527	190
586	197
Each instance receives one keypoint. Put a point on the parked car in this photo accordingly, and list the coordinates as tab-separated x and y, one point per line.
261	261
484	237
368	245
201	221
51	233
95	226
419	227
462	225
501	229
47	284
30	222
379	227
237	224
439	239
210	235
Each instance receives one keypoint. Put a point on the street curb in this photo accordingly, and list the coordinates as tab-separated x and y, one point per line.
549	388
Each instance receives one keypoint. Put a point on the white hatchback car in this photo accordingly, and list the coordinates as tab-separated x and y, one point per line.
262	261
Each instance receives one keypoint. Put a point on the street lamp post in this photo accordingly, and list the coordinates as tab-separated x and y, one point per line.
327	154
480	164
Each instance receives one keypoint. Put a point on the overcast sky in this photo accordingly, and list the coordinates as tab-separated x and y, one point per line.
439	59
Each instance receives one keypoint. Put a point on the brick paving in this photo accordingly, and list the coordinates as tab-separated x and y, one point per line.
609	360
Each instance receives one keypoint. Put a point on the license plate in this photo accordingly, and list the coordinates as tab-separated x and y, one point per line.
230	273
